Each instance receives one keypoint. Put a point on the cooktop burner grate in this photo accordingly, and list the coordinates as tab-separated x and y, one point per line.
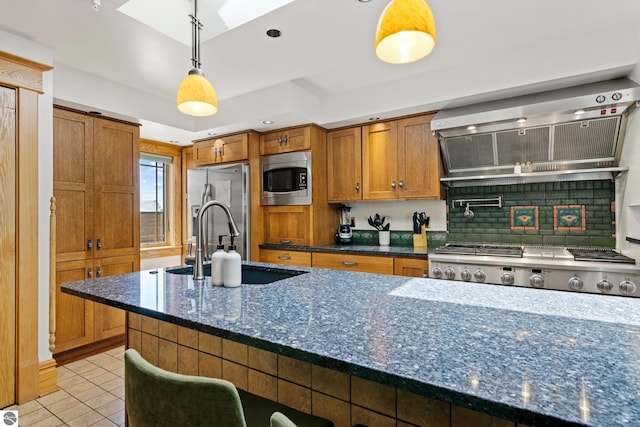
600	254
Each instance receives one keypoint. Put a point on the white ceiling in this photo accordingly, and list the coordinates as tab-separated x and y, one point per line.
323	68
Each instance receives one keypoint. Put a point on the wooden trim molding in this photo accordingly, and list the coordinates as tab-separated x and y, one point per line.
47	377
27	246
26	77
19	72
160	252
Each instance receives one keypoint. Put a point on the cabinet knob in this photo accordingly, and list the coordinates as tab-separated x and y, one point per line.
401	184
357	187
90	273
285	242
98	272
99	244
349	263
285	139
89	244
393	186
284	257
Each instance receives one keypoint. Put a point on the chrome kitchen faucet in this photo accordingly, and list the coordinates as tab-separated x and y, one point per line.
198	268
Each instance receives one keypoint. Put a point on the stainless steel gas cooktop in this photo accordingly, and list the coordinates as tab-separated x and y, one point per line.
592	270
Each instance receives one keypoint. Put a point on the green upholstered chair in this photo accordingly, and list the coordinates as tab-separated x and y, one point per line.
278	419
155	397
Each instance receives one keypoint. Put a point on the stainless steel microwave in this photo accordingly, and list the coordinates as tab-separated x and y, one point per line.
286	178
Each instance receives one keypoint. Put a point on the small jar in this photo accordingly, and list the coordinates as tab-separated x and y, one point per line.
528	167
517	168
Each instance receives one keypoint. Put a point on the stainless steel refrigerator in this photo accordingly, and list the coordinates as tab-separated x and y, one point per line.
228	184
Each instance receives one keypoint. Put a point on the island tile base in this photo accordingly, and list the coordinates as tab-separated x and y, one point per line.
344	399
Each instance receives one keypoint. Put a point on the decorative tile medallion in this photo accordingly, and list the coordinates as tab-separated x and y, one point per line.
524	218
569	217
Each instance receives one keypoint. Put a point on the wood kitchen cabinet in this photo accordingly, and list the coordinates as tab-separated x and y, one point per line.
287	225
301	225
344	159
351	262
413	267
287	257
396	159
286	140
96	185
224	149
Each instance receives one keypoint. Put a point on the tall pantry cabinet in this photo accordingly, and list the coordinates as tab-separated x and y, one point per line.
96	185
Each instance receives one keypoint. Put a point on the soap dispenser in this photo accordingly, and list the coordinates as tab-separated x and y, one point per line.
217	263
232	270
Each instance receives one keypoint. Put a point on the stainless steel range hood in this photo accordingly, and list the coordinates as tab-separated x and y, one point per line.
566	134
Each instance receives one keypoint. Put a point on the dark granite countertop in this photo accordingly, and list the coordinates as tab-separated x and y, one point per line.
404	251
536	356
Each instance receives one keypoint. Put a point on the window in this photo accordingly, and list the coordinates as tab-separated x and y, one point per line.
153	198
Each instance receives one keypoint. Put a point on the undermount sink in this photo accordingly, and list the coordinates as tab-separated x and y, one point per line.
251	274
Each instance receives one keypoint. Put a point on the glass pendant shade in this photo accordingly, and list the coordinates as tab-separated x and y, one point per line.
196	96
406	32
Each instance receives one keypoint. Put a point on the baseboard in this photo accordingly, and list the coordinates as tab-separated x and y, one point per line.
89	350
47	377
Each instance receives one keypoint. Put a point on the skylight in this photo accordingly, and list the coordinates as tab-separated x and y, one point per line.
217	16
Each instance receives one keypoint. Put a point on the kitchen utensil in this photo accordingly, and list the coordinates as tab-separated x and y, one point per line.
377	222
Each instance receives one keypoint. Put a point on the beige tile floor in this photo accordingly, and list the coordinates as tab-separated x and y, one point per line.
90	393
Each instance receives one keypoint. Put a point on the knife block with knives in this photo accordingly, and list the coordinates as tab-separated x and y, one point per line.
420	225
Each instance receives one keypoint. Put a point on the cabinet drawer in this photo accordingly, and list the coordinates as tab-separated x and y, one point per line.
276	256
285	140
349	262
413	267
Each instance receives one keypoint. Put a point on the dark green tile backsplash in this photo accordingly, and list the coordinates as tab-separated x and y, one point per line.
494	225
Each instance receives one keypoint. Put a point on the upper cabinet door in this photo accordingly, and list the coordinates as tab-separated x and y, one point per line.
234	148
344	165
116	204
73	184
285	140
379	161
225	149
418	159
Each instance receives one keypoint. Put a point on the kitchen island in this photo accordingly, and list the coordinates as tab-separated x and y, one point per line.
389	350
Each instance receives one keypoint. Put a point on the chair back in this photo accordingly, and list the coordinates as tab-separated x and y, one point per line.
156	397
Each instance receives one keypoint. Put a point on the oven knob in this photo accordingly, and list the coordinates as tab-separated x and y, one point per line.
479	276
466	275
604	286
507	278
537	280
575	283
450	273
628	288
436	272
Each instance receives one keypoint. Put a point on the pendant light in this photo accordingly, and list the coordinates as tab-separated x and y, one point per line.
406	32
196	96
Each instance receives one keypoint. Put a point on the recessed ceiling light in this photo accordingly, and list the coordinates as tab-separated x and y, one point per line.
211	133
472	127
274	32
364	1
267	122
521	120
578	112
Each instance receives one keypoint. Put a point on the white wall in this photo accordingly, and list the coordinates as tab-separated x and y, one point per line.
400	214
39	53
